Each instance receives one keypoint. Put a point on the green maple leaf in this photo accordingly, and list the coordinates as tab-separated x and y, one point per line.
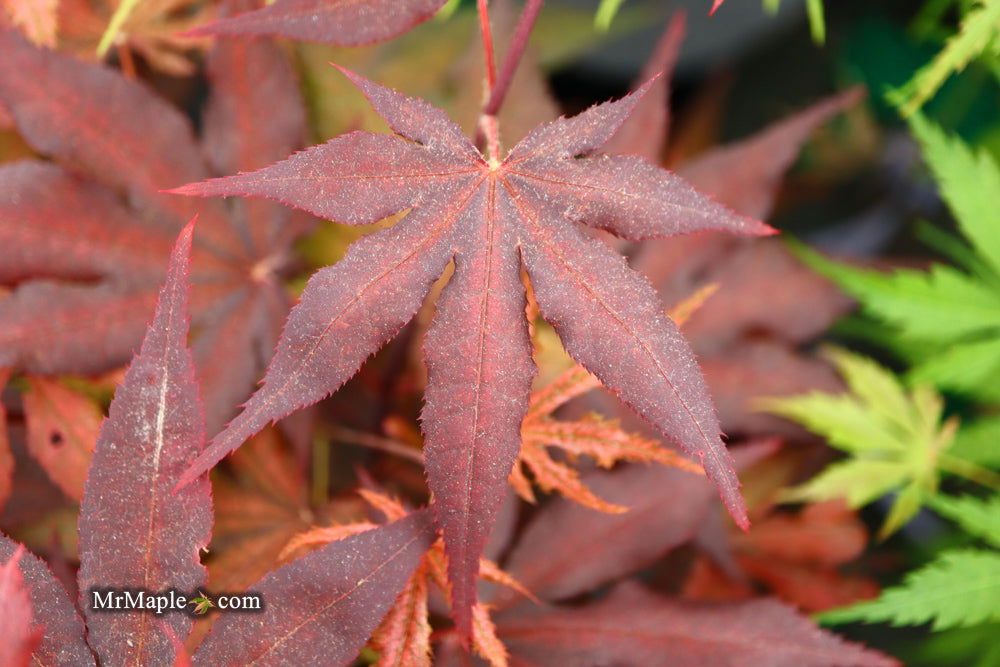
897	440
977	36
945	321
959	589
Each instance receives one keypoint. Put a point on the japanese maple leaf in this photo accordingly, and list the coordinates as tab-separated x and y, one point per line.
491	218
84	239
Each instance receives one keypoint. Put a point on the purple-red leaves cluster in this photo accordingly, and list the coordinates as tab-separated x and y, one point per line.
136	534
490	218
85	239
87	230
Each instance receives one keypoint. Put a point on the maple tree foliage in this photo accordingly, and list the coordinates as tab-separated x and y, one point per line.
796	556
6	456
489	216
479	244
339	594
85	237
136	533
593	435
62	430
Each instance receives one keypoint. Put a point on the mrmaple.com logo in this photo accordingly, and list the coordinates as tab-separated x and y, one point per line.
111	599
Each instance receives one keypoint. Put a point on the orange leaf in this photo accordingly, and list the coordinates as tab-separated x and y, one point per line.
62	431
552	476
404	637
322	535
391	507
37	18
490	571
484	637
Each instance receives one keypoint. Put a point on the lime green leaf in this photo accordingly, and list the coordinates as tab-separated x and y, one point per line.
978	34
606	12
969	180
971	368
961	588
817	22
976	516
942	304
842	420
906	505
857	481
896	439
118	19
979	442
874	387
448	10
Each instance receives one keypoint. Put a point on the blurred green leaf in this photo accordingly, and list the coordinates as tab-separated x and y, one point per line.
961	588
978	517
979	442
979	33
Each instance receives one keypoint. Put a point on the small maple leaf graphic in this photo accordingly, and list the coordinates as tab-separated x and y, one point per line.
491	218
202	603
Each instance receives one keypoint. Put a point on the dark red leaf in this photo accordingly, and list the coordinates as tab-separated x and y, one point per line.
19	636
135	534
254	117
636	627
484	214
757	368
62	640
746	175
764	267
113	140
321	608
100	240
342	22
67	226
569	549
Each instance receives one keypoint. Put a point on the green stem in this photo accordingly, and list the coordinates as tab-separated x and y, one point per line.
969	470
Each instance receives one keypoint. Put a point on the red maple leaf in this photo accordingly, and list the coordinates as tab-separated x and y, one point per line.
492	218
135	534
85	239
